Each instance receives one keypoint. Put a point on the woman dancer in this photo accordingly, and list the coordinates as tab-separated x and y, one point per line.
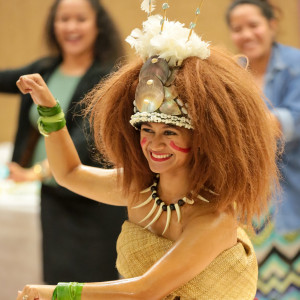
194	149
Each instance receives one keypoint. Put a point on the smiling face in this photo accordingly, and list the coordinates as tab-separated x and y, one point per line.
167	148
251	31
75	27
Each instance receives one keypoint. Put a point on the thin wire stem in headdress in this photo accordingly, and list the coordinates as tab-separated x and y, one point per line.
165	6
150	7
193	24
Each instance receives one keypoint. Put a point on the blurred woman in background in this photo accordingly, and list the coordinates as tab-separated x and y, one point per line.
276	70
87	45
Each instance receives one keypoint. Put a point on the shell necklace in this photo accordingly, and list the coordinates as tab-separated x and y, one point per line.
162	206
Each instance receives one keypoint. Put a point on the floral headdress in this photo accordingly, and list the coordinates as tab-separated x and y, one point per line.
163	45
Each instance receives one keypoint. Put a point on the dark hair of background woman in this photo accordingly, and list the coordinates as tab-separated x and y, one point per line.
267	10
108	46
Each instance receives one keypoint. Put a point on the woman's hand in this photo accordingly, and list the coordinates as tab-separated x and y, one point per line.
39	172
37	88
36	292
19	174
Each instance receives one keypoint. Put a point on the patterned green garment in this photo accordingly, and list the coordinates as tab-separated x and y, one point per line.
279	262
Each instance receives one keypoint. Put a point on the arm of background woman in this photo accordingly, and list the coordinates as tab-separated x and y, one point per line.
39	172
288	111
9	77
94	183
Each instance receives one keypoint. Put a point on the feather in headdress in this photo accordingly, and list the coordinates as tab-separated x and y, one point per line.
148	6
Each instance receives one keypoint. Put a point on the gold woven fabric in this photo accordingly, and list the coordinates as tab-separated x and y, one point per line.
231	276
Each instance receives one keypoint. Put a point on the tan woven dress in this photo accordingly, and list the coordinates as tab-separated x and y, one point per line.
231	276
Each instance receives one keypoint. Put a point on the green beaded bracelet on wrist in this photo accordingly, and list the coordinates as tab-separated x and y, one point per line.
68	291
51	119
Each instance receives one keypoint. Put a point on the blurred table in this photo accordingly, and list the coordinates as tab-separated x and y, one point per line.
20	236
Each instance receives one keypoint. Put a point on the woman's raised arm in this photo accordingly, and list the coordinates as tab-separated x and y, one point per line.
94	183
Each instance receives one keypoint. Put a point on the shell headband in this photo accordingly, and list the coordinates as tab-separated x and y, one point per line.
163	45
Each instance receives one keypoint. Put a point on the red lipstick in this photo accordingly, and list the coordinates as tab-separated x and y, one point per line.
159	159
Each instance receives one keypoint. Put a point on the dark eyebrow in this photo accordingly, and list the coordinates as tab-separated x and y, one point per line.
165	126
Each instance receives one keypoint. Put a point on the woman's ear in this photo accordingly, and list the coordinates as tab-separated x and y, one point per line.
242	60
274	27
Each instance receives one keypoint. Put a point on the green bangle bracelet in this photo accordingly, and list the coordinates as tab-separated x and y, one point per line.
75	290
49	111
46	129
67	291
54	295
47	125
51	119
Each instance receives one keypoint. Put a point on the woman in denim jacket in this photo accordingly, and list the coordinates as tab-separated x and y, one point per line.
276	69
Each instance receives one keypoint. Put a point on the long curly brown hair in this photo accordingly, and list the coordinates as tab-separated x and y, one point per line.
234	140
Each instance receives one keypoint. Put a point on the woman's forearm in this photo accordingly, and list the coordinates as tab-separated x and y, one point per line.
67	169
124	289
62	155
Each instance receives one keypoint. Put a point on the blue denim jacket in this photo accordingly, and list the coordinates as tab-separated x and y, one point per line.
282	88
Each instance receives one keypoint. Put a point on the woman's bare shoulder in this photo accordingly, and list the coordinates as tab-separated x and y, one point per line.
219	229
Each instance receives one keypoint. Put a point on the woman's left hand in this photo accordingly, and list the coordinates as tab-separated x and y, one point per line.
35	85
19	174
36	292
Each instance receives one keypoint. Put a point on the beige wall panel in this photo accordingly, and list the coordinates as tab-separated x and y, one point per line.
22	25
21	32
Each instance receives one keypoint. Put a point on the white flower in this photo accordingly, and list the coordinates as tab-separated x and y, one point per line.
171	44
